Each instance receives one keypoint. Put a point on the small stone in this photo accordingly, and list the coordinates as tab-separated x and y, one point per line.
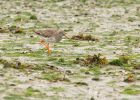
12	84
18	64
87	72
95	78
30	79
1	74
81	83
68	72
66	80
52	67
31	36
92	98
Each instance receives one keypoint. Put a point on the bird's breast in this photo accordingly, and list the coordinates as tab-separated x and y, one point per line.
51	40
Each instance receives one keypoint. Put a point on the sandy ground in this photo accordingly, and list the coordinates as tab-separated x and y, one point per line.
117	26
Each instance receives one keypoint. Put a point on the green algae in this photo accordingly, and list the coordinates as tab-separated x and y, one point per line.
57	89
14	97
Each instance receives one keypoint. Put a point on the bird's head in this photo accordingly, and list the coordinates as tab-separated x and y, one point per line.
38	33
62	33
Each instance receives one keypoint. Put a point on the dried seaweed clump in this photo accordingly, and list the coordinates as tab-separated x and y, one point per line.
84	37
3	30
15	29
130	78
137	66
96	59
19	65
12	64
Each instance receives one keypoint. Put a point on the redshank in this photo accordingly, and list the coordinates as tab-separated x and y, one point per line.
50	36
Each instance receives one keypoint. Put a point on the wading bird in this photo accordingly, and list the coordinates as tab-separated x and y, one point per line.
50	36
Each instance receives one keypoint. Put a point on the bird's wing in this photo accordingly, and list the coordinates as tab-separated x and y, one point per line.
49	33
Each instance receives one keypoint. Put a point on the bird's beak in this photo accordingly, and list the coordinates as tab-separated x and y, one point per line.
66	36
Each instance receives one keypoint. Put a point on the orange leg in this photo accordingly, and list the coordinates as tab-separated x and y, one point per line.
47	47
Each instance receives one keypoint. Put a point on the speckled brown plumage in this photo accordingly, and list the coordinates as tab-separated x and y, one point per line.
54	35
50	36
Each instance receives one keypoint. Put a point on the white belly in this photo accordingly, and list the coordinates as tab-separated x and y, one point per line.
49	40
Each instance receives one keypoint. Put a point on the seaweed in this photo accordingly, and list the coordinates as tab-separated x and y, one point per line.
126	62
20	65
130	78
90	60
81	83
122	60
84	37
54	76
3	30
15	29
